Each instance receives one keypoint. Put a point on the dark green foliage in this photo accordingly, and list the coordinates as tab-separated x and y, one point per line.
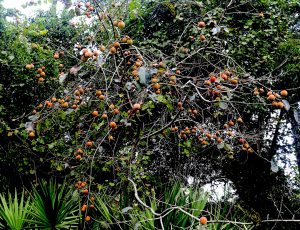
53	207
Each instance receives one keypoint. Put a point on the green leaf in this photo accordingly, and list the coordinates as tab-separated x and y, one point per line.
228	147
220	145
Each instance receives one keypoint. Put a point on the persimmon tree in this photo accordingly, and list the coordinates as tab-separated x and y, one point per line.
151	91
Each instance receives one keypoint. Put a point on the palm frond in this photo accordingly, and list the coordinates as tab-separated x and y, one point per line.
52	207
14	212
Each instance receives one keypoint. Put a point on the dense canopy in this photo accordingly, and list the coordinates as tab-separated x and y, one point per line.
121	103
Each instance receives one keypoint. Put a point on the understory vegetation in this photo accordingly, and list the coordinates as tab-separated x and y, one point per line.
124	114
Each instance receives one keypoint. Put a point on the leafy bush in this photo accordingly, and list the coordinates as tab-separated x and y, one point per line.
53	207
14	211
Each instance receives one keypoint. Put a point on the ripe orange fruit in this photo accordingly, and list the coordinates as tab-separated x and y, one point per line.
78	157
156	86
124	40
224	76
208	135
116	111
240	120
84	50
274	104
115	23
271	97
231	123
83	208
101	97
111	106
121	25
95	113
65	105
81	90
42	74
88	54
102	48
207	82
113	50
212	79
246	146
110	138
233	81
98	93
79	151
87	218
154	80
89	143
83	184
113	125
135	73
219	87
77	93
41	79
49	105
202	38
174	129
136	106
92	206
201	24
203	220
280	104
85	191
31	135
104	116
242	141
56	56
96	53
284	93
204	142
117	45
230	133
137	64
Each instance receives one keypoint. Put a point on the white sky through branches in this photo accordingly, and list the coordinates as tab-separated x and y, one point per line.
30	10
